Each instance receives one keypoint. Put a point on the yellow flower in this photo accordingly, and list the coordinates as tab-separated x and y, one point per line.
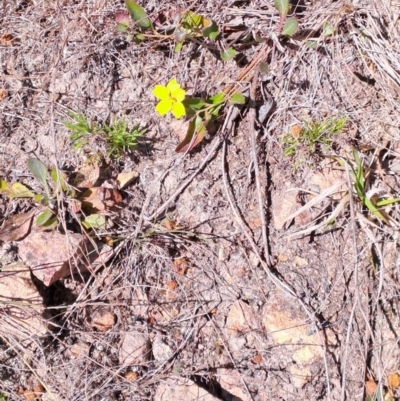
171	98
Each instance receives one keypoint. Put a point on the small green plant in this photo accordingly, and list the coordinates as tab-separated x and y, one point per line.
287	27
53	184
312	136
181	26
118	137
48	218
374	204
81	128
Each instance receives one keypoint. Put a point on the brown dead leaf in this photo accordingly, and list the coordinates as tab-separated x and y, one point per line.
3	94
295	130
393	380
172	285
171	225
181	266
98	199
257	359
370	387
131	376
7	39
34	393
17	226
170	293
39	389
124	179
29	395
108	241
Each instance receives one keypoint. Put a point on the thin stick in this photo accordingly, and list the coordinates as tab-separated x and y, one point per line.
253	140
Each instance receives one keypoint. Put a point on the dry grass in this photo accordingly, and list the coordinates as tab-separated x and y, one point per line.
64	56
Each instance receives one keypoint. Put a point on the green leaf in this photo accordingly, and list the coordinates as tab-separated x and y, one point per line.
386	202
217	99
290	27
312	44
4	186
95	221
215	110
59	180
193	20
283	7
194	103
258	38
19	190
39	171
327	29
121	27
16	190
44	217
228	54
212	31
200	127
138	15
264	68
237	98
178	47
51	223
38	198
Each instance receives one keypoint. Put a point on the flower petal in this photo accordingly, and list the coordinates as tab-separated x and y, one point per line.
164	107
173	85
178	95
178	110
161	92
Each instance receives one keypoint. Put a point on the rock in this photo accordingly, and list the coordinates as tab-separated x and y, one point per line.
21	305
101	257
126	178
135	349
80	349
230	380
52	255
320	181
286	325
180	389
103	318
283	205
161	350
298	261
240	320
